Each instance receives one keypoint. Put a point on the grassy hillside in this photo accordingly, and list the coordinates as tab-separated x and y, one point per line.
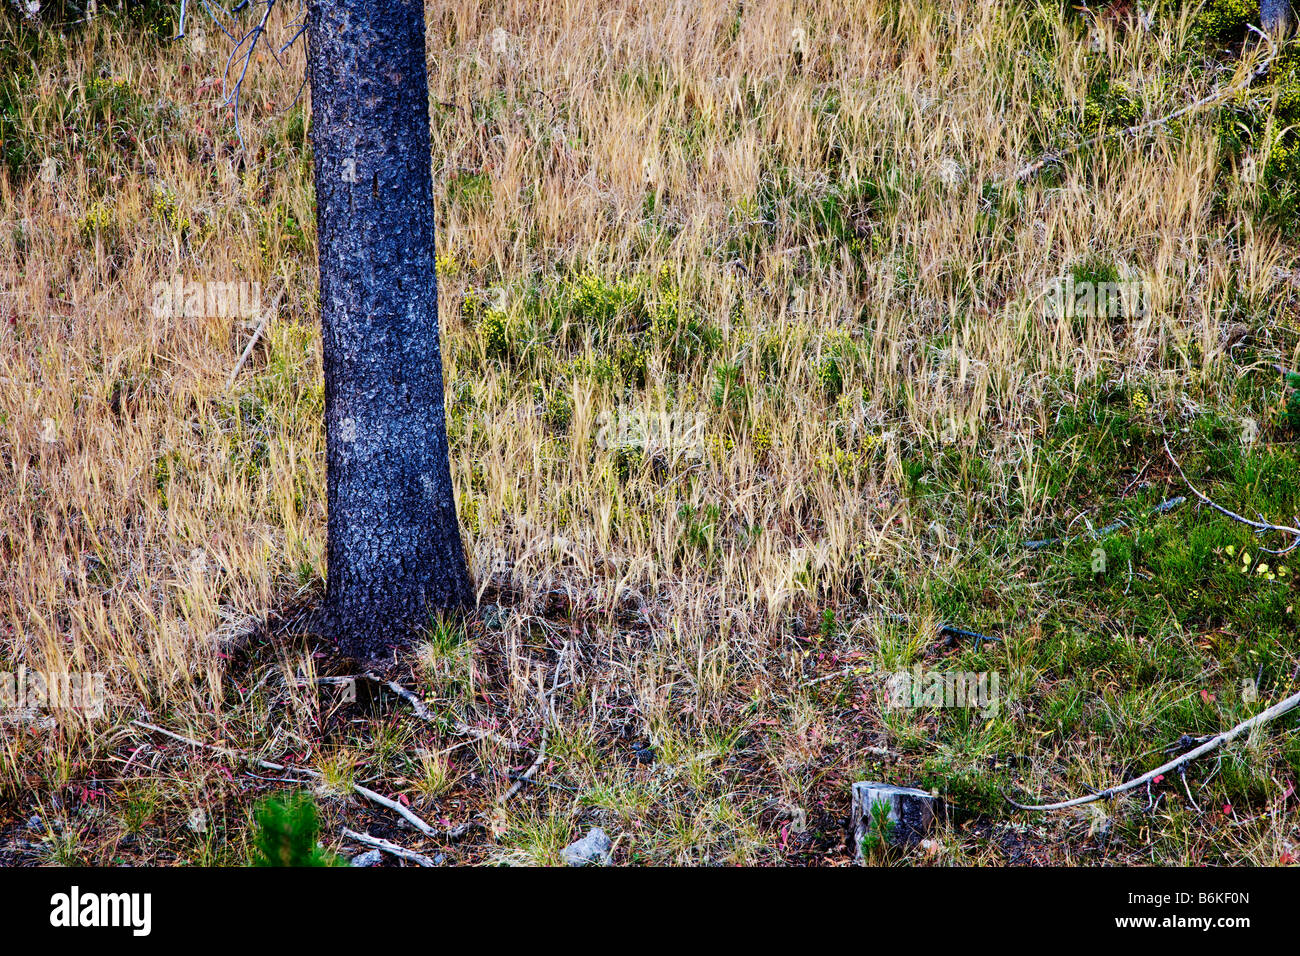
753	387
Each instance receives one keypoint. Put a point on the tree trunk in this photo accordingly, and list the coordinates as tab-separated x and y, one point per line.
394	548
1275	14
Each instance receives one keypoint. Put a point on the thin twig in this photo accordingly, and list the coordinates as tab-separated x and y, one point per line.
527	775
545	699
252	37
950	631
264	764
1169	504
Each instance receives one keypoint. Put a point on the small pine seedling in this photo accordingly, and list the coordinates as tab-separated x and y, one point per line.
877	837
286	834
1292	413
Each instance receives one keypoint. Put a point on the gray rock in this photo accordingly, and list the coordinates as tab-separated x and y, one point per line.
494	617
594	848
369	858
910	816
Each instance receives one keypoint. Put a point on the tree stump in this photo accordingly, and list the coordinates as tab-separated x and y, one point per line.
911	813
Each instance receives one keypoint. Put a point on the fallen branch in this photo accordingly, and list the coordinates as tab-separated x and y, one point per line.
379	844
264	764
1169	504
952	633
527	775
1260	527
1217	96
409	696
459	727
365	792
949	631
404	812
545	699
1277	710
257	334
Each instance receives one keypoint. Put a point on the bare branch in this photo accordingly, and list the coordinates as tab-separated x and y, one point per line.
1217	96
1205	745
267	316
460	728
366	792
243	51
546	699
1261	526
1277	710
380	844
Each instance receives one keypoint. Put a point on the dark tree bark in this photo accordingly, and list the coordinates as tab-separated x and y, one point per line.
1275	14
394	549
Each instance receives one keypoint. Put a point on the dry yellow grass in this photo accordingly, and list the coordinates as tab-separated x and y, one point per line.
147	509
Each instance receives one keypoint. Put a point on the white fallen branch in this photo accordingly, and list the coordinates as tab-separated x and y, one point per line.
224	751
267	316
461	728
1218	96
546	701
400	852
1277	710
402	811
1261	526
366	792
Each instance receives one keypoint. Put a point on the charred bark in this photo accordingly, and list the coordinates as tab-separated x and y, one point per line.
1276	15
394	550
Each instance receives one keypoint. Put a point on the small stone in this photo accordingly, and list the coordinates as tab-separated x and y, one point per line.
369	858
911	813
36	823
594	848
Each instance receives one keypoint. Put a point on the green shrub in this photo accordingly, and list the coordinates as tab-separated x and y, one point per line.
1224	21
1109	106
